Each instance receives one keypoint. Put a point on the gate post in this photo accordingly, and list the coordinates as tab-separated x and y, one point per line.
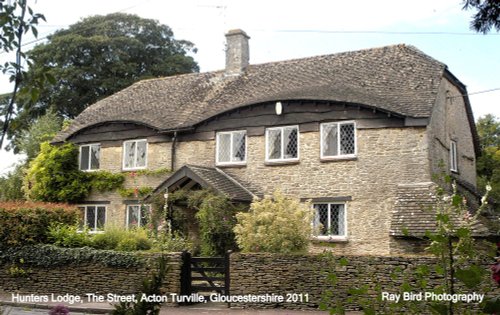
227	280
186	273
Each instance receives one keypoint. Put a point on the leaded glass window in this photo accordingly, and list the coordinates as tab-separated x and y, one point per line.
282	143
137	215
135	154
89	157
338	139
231	147
329	220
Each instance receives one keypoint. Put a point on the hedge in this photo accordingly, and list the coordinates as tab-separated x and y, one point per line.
24	223
49	256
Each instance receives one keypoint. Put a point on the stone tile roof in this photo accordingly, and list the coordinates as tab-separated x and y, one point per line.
398	79
210	178
413	215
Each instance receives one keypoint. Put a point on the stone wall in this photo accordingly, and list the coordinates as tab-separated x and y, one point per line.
449	122
386	157
307	277
79	279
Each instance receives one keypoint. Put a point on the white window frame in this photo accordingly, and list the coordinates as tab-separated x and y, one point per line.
90	145
135	167
331	237
282	146
338	156
453	156
231	133
139	224
95	230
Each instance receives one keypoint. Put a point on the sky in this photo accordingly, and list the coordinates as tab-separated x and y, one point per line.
287	29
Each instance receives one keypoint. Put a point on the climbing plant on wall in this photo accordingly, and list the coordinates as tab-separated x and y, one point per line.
215	215
53	176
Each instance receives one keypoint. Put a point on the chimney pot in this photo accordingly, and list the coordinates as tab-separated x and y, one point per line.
237	52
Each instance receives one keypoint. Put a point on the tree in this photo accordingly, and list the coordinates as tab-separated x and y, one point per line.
12	184
487	15
16	19
488	164
44	129
97	57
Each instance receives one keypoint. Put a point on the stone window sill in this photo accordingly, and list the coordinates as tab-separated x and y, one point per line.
229	165
338	159
278	163
330	239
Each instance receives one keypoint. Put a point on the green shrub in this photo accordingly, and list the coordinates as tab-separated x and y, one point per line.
172	243
118	238
68	236
23	223
278	225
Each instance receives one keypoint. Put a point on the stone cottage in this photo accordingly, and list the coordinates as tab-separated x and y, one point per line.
358	133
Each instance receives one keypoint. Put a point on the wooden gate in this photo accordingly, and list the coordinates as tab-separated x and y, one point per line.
205	275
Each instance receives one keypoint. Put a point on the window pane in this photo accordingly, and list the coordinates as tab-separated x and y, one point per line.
144	215
224	146
91	214
133	216
329	138
101	217
291	143
321	219
141	153
239	153
94	157
274	144
347	139
337	220
129	154
84	157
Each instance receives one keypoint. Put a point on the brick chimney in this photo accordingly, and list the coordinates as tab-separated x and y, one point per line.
237	52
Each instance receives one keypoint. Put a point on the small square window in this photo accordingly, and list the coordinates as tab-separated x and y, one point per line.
138	215
135	154
453	156
330	221
89	159
338	140
231	147
282	144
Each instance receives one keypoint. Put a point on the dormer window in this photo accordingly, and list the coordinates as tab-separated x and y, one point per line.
231	147
135	154
89	157
338	140
282	144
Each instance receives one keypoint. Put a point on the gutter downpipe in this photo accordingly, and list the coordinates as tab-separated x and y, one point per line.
172	154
